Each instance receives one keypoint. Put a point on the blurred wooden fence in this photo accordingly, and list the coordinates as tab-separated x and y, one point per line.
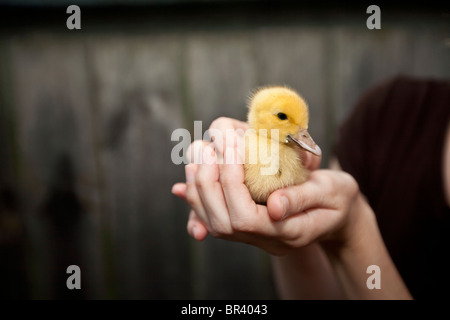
85	126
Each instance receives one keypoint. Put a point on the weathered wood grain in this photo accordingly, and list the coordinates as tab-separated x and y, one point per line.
59	191
86	123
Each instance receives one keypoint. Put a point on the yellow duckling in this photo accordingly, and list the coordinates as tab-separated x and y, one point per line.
278	121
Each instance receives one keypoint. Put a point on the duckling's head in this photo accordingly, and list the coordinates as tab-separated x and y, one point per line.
283	109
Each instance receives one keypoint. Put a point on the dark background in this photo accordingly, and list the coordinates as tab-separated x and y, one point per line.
86	118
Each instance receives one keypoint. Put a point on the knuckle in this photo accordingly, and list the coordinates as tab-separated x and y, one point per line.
229	179
220	229
300	242
349	184
300	235
202	180
226	181
328	179
299	202
218	122
242	225
191	197
194	151
295	240
310	231
353	185
292	235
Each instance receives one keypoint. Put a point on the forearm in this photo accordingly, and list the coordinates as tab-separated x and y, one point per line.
365	247
337	270
305	274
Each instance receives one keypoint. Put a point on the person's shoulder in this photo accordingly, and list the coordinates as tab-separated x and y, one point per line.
377	95
397	96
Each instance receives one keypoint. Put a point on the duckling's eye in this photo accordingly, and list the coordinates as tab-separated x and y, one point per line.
282	116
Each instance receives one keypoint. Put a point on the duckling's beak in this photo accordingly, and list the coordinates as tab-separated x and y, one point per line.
304	140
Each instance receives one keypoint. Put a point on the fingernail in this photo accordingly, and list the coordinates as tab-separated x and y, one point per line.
189	174
285	206
194	231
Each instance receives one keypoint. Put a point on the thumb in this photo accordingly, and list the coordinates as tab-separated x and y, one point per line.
295	199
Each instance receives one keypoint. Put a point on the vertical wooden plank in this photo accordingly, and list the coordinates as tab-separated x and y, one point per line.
221	74
139	103
14	275
430	53
58	189
362	59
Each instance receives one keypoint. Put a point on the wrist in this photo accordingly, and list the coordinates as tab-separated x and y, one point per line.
358	226
362	246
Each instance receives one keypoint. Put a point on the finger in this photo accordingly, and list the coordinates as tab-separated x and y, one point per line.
246	217
192	195
211	194
224	123
238	198
179	189
297	199
195	151
195	227
222	132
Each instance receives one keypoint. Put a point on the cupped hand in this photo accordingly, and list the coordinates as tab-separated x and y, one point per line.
295	216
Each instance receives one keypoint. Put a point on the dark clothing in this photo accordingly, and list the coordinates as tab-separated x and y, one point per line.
393	145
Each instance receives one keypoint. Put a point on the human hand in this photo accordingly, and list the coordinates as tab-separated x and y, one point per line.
294	217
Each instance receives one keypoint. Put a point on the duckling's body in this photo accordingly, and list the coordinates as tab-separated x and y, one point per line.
272	159
290	170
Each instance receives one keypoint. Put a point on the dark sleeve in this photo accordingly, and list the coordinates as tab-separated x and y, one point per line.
353	147
392	143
